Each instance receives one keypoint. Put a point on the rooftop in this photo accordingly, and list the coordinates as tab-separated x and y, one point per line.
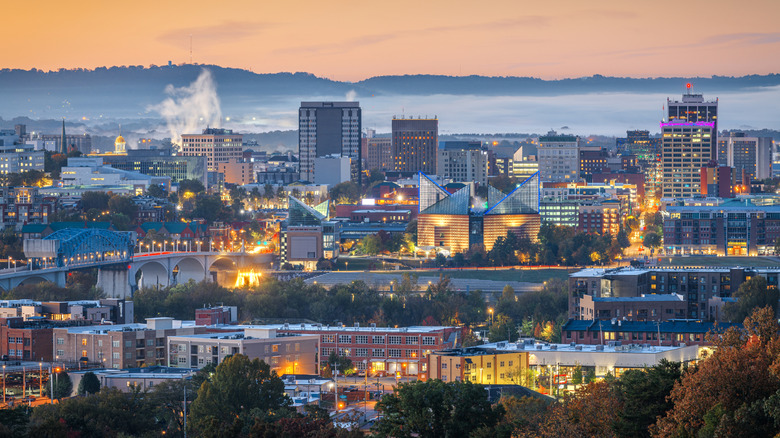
335	328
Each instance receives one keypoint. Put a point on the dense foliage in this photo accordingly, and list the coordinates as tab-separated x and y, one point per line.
238	398
347	303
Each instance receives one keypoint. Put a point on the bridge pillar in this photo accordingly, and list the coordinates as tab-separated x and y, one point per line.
114	281
60	278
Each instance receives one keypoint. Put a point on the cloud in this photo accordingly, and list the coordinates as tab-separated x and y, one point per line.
739	39
227	31
369	40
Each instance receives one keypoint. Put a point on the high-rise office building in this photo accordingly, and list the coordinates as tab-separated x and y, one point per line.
329	128
415	142
559	157
463	161
217	145
686	148
693	108
751	154
379	153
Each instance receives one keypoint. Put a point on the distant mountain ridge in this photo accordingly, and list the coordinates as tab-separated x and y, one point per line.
154	79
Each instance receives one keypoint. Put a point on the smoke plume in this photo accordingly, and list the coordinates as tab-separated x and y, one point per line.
188	110
351	95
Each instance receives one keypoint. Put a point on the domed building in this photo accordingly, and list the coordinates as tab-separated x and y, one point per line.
120	146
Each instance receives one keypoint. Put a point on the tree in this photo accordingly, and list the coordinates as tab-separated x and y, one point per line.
436	409
644	397
341	364
735	391
63	387
240	390
622	239
89	384
751	295
122	205
503	329
96	200
109	413
210	208
191	185
576	375
652	240
345	193
155	190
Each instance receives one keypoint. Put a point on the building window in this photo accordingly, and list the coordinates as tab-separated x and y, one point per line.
361	352
115	344
395	340
361	339
394	352
329	339
444	366
345	339
378	352
84	341
429	340
60	341
378	340
275	348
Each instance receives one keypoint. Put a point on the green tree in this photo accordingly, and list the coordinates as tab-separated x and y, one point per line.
210	208
576	375
622	239
345	193
191	185
63	386
108	413
156	191
436	409
503	329
89	384
645	395
240	391
652	240
751	295
122	205
96	200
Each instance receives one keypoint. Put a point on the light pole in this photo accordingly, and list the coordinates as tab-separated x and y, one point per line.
365	389
40	379
490	310
3	383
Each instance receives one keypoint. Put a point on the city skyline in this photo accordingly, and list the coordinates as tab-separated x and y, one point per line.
349	42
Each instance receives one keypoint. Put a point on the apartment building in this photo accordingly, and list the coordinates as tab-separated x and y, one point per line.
122	345
286	353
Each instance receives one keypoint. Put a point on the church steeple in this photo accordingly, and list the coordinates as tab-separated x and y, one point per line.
63	143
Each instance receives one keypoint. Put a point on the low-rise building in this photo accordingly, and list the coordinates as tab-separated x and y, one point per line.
380	349
616	332
216	315
121	345
481	366
286	353
647	307
126	380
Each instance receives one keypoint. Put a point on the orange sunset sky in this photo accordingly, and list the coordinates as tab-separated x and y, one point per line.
353	40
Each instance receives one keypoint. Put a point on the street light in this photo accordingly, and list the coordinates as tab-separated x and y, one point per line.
490	310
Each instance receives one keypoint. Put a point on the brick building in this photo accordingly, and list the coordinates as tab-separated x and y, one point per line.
478	365
216	315
384	349
600	218
25	340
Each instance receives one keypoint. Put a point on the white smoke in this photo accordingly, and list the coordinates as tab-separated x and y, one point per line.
351	95
187	110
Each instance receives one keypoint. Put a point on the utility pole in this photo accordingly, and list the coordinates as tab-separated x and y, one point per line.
185	405
336	386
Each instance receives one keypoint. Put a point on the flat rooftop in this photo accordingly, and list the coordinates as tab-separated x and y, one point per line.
326	328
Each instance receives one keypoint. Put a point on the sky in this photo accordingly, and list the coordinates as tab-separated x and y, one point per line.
353	40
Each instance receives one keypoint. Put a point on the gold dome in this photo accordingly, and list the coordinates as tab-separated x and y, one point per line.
119	139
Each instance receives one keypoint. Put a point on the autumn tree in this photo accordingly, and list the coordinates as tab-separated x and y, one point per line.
734	392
